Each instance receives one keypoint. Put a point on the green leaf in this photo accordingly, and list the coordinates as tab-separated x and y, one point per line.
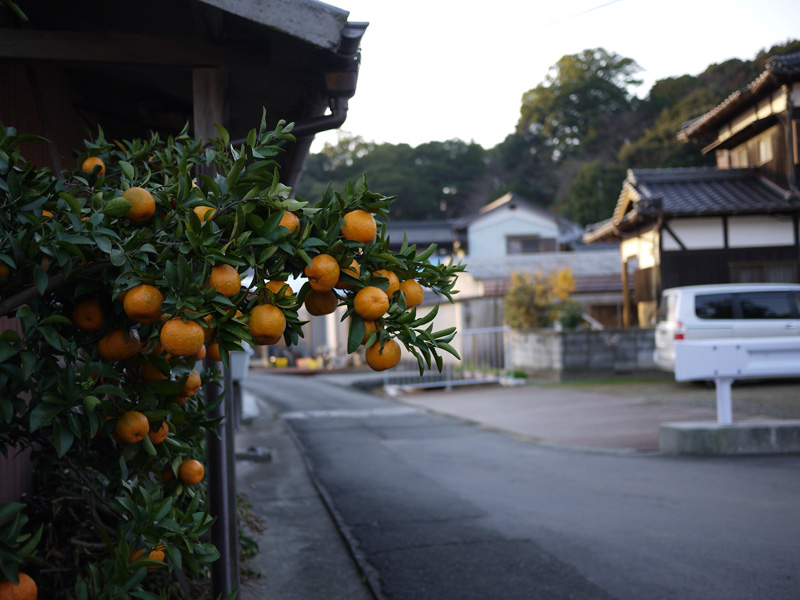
43	413
7	351
9	508
356	333
118	207
127	169
40	279
223	134
148	446
62	438
55	319
50	336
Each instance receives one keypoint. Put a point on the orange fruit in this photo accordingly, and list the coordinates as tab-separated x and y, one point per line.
359	226
143	206
119	344
380	360
149	373
202	354
394	282
132	427
87	315
192	385
156	553
191	472
267	324
4	270
290	221
90	163
204	213
413	292
354	270
214	352
143	303
158	435
370	327
46	214
371	303
25	590
275	287
226	279
323	272
182	338
321	303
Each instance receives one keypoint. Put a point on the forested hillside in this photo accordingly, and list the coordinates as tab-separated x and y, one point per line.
578	131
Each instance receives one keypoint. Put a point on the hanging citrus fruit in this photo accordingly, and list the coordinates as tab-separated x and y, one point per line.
182	338
191	472
132	427
321	303
323	273
359	226
370	303
354	270
290	221
87	315
394	282
225	279
90	163
381	359
143	206
267	324
413	292
119	344
143	303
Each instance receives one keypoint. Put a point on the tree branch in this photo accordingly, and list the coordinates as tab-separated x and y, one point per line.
30	292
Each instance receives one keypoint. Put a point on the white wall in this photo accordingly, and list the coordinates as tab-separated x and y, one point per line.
755	231
487	235
696	234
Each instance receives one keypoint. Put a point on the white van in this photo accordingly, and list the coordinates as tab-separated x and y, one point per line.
723	311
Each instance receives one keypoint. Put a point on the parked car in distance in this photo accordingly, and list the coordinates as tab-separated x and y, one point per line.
729	310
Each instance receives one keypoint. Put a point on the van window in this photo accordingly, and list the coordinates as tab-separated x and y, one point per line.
666	312
714	306
767	305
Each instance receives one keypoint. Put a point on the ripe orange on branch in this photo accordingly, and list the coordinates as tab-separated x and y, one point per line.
323	273
25	590
87	315
354	270
394	282
226	279
159	435
156	553
413	292
93	161
359	226
182	338
143	303
143	206
290	221
267	324
321	303
204	213
132	427
371	303
119	344
191	472
380	360
276	287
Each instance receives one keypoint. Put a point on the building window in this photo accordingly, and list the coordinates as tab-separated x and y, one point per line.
764	272
529	244
764	150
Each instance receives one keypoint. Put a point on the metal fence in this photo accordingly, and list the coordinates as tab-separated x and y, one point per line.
484	359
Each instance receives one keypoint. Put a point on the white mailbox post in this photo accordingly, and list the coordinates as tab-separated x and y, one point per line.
725	360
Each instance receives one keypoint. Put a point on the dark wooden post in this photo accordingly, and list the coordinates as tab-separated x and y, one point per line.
626	295
209	108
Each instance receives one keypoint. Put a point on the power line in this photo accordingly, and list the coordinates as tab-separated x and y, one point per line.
588	10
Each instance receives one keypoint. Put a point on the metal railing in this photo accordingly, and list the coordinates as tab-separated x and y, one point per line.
484	359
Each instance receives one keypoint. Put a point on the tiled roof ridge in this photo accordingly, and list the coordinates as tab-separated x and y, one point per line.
683	174
776	68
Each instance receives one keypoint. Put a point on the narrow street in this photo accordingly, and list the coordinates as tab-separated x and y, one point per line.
438	507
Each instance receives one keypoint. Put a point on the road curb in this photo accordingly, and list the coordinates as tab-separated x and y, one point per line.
368	572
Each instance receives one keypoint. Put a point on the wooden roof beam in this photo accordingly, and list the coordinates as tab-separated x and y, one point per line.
128	48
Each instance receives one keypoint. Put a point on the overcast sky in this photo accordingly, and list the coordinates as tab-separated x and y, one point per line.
434	70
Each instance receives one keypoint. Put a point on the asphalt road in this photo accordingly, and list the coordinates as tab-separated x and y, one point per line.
441	508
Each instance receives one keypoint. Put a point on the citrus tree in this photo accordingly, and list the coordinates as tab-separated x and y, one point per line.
124	273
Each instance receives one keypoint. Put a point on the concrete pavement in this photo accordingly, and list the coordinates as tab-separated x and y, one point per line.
619	417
